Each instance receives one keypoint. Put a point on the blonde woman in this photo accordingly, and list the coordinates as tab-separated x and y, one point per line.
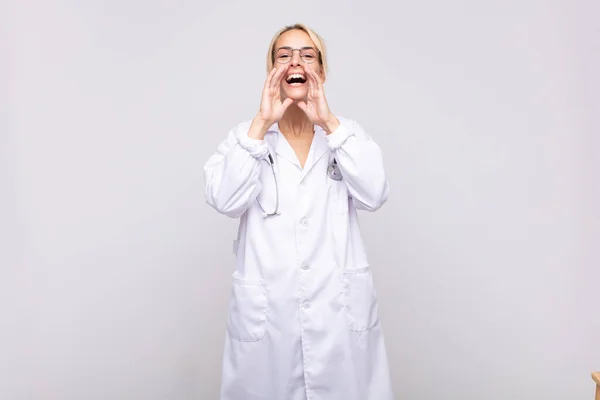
303	316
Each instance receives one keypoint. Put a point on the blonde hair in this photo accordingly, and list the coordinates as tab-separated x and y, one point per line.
314	36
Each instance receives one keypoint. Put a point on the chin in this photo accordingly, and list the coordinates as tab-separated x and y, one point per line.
296	93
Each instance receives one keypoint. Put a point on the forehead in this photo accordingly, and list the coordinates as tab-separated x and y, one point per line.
295	39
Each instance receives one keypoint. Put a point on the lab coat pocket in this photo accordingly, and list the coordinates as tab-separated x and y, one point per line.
360	299
247	309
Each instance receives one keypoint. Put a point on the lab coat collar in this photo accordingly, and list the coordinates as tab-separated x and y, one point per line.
282	147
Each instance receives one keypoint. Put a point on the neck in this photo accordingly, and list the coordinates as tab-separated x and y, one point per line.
295	123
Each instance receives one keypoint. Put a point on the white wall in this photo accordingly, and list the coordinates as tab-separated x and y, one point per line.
115	273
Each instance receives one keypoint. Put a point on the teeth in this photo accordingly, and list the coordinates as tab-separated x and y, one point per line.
295	76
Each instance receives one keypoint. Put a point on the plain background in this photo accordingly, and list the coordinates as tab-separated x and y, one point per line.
115	273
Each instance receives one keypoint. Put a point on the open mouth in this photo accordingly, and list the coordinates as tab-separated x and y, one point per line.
296	79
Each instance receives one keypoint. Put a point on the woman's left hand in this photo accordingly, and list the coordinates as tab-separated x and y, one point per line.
315	107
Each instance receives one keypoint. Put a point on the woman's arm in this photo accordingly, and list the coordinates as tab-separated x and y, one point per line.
361	163
358	156
232	173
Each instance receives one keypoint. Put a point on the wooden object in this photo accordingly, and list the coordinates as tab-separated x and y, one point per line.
596	378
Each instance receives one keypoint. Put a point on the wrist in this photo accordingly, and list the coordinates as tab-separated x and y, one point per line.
330	124
258	128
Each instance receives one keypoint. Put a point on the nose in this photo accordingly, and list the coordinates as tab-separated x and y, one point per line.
296	57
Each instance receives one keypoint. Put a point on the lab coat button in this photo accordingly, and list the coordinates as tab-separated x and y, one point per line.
304	221
305	266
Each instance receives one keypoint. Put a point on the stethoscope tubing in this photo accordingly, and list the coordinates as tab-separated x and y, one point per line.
333	171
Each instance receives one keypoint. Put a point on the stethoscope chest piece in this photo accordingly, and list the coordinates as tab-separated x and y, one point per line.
334	171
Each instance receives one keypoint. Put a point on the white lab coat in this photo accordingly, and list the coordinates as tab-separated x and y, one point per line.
303	316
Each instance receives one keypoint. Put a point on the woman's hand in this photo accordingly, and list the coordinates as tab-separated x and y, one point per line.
315	106
272	107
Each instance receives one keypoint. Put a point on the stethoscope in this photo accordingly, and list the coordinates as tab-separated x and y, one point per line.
333	171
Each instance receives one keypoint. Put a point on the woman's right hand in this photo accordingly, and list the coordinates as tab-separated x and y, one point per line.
272	107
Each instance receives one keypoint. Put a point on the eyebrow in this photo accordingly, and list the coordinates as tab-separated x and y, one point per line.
303	47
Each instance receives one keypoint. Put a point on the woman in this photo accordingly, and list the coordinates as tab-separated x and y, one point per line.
303	317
